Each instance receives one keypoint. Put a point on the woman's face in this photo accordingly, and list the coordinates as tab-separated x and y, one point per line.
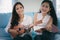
45	7
19	9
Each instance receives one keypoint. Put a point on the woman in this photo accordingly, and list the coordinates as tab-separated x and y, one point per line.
43	21
18	23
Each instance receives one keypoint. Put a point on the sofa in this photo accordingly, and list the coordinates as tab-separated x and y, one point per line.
4	19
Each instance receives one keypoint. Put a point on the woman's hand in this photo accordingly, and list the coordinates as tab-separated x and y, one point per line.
39	30
49	28
13	32
38	22
31	25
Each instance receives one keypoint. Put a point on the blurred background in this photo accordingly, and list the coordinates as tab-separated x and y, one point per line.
30	5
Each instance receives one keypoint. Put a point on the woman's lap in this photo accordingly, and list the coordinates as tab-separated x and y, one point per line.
25	37
45	36
37	37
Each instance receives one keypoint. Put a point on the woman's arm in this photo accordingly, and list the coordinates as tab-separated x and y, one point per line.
49	24
35	20
13	32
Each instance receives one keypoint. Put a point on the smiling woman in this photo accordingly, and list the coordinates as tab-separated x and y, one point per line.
5	6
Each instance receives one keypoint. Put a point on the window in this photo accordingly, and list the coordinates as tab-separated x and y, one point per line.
5	6
58	7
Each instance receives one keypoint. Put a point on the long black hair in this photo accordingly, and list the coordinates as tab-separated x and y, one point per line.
15	16
52	11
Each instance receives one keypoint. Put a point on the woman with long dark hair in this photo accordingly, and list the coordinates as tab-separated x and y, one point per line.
44	20
19	23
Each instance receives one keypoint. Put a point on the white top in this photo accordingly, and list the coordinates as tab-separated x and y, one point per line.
26	21
44	21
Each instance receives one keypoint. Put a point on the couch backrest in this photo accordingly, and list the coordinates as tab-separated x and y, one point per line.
4	18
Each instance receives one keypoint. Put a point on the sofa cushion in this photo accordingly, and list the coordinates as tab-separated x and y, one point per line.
3	33
4	18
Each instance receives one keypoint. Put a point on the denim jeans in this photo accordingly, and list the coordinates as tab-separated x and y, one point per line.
46	35
25	37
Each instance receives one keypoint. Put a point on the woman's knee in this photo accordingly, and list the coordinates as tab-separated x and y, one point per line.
38	37
27	37
18	38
